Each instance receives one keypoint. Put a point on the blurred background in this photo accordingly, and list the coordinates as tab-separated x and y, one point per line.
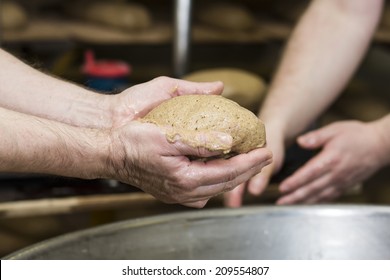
64	38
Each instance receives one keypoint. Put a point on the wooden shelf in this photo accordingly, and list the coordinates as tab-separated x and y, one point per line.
160	33
54	30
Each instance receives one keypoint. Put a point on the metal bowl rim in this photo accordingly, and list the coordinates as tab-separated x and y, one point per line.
306	210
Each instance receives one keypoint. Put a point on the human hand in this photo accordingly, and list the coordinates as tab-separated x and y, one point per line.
257	184
142	156
137	101
351	152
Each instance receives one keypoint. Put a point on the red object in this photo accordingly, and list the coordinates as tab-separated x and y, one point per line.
105	68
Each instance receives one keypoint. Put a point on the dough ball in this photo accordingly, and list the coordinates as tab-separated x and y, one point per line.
243	87
196	113
226	16
12	16
128	16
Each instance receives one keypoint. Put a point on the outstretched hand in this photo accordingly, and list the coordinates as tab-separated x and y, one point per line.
350	153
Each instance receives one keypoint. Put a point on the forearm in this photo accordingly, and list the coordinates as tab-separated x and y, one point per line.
29	91
35	145
321	56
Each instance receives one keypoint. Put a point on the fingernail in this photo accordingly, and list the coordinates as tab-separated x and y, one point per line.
225	138
308	140
218	141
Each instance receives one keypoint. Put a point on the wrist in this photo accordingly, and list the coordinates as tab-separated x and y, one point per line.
275	128
97	153
92	110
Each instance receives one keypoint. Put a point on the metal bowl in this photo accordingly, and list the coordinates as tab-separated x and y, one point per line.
297	232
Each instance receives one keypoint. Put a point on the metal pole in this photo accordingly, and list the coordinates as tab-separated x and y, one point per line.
182	36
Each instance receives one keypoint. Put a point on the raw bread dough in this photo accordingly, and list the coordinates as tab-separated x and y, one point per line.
191	113
127	16
12	16
228	16
243	87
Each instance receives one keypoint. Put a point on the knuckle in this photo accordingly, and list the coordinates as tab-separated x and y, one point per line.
161	79
229	186
187	179
334	159
202	152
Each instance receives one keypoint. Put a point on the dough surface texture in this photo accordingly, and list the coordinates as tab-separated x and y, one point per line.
185	115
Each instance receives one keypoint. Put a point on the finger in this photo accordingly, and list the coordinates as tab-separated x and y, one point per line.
182	87
196	204
317	138
233	198
224	170
208	191
306	192
259	182
146	96
176	87
186	142
327	195
313	169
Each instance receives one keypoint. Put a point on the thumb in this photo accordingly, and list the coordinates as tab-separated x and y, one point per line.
315	139
183	87
200	144
258	183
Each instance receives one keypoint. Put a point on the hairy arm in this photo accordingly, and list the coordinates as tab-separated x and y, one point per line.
26	90
322	54
39	139
324	51
36	145
134	153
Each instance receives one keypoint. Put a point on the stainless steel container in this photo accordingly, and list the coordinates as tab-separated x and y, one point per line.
300	232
